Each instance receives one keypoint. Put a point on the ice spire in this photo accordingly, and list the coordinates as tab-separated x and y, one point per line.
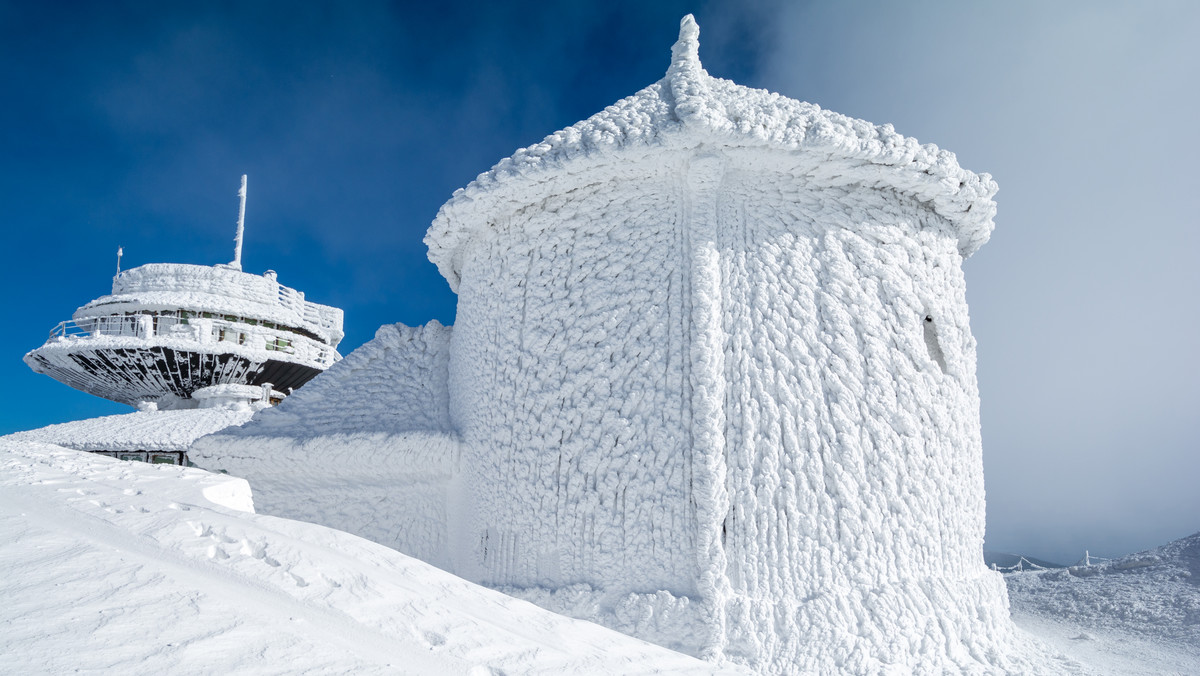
686	77
685	53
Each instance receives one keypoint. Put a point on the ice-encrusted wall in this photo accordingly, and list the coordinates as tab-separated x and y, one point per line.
729	416
567	364
852	497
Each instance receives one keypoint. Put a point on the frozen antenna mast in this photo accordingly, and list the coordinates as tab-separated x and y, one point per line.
237	241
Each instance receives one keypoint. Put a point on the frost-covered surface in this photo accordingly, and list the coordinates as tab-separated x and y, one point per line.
142	430
1139	614
394	383
117	567
218	290
365	447
715	383
689	108
712	383
700	399
166	369
59	351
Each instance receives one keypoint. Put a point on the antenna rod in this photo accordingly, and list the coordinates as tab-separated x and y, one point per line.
120	250
237	241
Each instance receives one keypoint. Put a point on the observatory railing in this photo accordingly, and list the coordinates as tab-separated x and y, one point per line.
230	283
205	330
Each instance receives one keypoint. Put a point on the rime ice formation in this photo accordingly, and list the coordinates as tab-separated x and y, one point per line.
711	383
368	444
168	331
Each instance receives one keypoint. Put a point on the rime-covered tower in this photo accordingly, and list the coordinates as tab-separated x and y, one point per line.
711	383
715	383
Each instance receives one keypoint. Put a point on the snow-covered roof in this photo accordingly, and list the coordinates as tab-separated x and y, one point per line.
141	430
689	108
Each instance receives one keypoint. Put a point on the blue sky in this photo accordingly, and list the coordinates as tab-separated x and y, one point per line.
130	123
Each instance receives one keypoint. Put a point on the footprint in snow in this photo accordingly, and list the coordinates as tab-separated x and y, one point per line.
258	550
220	536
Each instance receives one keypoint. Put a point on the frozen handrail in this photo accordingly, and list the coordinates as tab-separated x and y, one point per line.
146	326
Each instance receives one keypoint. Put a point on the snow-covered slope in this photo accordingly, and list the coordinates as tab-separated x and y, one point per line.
110	566
117	567
1135	615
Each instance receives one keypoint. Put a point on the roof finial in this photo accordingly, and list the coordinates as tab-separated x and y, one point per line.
686	51
686	79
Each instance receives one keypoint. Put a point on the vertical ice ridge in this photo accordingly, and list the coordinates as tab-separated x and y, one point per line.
704	174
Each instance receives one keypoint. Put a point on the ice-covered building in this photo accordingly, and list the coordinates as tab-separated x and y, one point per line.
174	335
711	383
180	337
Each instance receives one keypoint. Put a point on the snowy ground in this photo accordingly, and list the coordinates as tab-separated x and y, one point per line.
1135	615
124	567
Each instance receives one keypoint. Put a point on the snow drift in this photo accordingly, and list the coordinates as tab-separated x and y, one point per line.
122	567
366	447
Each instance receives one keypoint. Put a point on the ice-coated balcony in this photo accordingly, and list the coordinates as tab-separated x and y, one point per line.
199	330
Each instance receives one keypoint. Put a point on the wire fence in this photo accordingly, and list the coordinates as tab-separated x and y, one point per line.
1024	564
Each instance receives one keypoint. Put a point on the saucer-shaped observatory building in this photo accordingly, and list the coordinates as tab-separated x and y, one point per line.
714	382
169	332
178	336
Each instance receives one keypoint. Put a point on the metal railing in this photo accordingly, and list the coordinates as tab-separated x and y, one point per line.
1022	564
204	330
